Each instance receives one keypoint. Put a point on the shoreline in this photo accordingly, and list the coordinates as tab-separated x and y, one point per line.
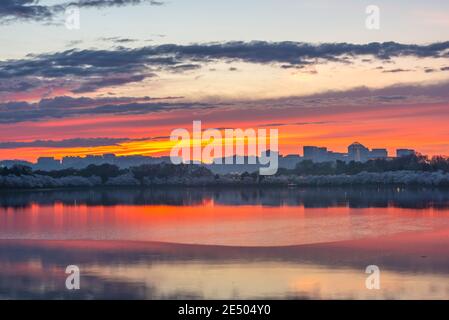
224	186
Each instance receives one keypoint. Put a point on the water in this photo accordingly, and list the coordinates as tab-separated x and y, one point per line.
225	243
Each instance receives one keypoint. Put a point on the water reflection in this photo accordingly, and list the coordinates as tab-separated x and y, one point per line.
251	217
307	197
133	270
225	243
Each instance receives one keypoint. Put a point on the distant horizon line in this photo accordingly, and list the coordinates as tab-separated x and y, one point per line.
86	156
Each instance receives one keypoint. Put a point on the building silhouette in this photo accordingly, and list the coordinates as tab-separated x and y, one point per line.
404	152
47	163
316	154
356	152
379	154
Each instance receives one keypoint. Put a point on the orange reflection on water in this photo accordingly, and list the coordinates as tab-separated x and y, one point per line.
212	223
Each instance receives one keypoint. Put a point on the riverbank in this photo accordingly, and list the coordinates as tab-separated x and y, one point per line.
391	178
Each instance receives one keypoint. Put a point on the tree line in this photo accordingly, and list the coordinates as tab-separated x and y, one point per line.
106	171
415	162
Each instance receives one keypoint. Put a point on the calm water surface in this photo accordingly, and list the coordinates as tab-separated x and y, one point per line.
225	243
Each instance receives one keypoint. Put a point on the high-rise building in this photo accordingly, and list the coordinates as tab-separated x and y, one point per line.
337	156
404	152
358	152
109	158
289	161
378	154
48	163
309	152
316	154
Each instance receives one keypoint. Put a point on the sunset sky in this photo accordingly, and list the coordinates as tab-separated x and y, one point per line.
136	70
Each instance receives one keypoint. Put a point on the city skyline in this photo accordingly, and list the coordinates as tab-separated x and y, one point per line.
355	152
322	81
102	150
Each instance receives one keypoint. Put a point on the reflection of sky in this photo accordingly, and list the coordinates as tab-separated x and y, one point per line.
280	280
35	269
211	223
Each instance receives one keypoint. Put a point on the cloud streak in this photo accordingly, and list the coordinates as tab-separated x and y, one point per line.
73	143
92	69
66	107
32	10
24	10
68	143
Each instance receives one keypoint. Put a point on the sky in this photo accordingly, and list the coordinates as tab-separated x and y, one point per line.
135	70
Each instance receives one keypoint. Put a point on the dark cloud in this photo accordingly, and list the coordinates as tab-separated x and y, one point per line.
64	107
110	3
290	66
80	68
408	94
311	123
74	43
14	10
391	98
68	143
118	40
184	67
298	53
24	10
394	92
16	86
95	62
93	85
279	124
397	70
74	142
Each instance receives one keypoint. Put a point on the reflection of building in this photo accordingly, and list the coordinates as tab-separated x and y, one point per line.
358	152
404	152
